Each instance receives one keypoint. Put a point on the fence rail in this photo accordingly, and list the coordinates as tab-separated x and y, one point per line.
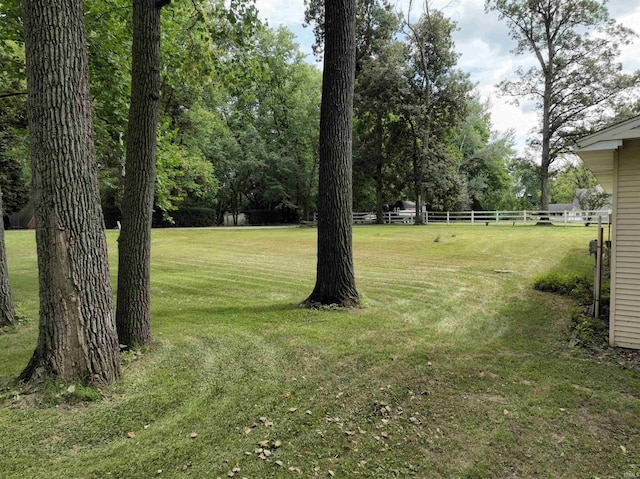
490	217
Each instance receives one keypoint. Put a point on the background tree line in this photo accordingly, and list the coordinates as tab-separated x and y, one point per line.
239	116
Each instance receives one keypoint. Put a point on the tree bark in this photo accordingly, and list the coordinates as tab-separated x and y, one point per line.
133	315
7	311
77	337
335	280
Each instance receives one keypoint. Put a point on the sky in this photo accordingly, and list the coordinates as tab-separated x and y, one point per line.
484	46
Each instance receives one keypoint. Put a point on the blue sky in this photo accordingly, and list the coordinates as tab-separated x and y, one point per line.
484	46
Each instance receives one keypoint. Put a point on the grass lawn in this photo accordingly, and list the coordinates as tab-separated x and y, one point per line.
450	370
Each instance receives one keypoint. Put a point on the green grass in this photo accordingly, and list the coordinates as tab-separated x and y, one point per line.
450	370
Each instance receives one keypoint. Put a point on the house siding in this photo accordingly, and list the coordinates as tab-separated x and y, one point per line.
625	310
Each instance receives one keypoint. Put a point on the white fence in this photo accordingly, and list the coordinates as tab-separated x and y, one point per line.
490	217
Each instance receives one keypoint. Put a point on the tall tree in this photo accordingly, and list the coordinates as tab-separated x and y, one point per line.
437	102
133	314
576	45
381	63
7	311
335	279
77	337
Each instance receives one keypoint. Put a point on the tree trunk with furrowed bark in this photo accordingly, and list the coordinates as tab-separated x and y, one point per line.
133	314
7	311
77	337
335	281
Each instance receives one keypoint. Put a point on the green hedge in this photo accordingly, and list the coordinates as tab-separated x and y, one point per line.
182	217
186	217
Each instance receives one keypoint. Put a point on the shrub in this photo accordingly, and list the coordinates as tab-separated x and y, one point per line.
567	284
266	217
587	331
186	217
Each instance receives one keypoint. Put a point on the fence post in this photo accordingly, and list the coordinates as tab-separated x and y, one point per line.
566	217
524	215
447	217
497	217
472	217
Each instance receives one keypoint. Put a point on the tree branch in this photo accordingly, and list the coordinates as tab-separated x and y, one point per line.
7	95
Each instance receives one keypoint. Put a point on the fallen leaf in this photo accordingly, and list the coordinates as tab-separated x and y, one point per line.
159	471
262	456
293	409
277	444
263	419
247	430
264	443
266	453
623	449
349	433
331	473
506	412
131	435
339	395
295	469
308	412
268	423
287	396
235	469
147	426
279	463
194	435
71	389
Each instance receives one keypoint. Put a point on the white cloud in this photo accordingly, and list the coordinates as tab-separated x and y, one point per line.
629	54
282	12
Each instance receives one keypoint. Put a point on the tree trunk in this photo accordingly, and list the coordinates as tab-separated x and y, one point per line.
133	315
335	281
7	311
77	337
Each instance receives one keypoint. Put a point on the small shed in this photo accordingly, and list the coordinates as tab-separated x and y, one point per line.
613	155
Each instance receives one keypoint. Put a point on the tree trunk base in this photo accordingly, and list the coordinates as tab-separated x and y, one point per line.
544	221
330	302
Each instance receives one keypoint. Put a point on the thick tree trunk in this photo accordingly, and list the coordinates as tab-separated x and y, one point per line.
133	315
77	338
335	281
7	311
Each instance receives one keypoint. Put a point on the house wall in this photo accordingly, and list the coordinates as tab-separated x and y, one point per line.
625	298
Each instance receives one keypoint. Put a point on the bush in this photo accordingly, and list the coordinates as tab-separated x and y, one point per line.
186	217
567	284
587	331
269	217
